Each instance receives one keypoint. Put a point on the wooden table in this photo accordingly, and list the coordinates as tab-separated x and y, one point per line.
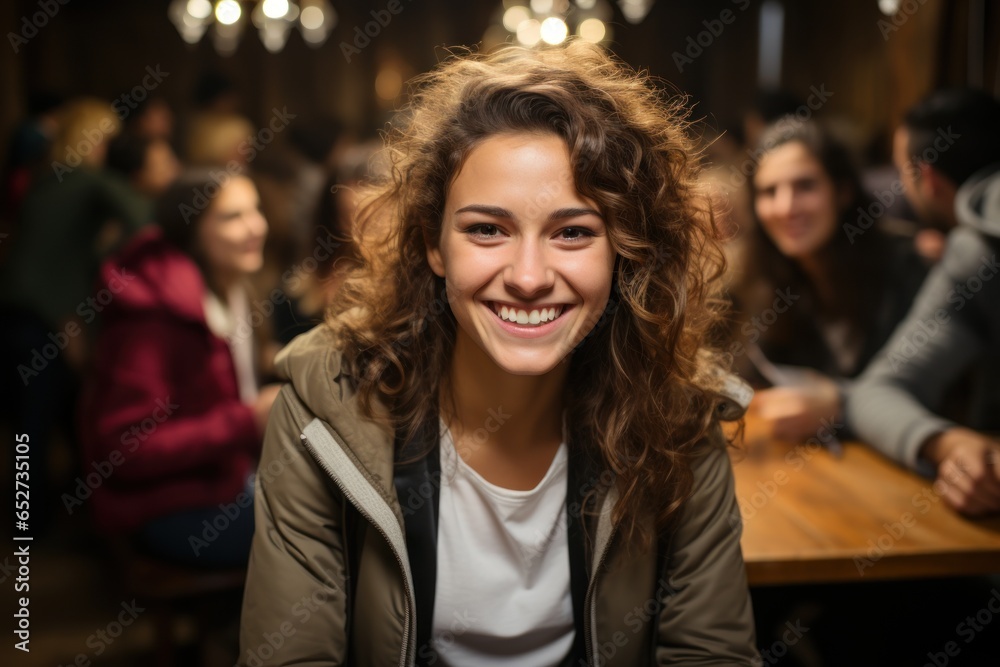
811	517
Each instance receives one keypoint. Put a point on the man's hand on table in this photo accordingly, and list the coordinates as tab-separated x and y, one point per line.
968	469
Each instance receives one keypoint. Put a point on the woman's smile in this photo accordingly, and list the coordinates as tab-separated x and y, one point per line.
533	315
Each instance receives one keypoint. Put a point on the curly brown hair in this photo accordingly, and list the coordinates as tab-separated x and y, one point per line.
640	390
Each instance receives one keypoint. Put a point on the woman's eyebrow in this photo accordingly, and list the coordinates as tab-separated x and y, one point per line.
573	212
495	211
500	212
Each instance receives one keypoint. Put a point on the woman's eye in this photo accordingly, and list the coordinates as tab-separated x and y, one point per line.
483	231
576	233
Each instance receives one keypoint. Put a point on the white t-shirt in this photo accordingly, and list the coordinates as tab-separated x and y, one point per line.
225	323
503	593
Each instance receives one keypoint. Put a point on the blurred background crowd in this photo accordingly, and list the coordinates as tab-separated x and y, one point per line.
177	193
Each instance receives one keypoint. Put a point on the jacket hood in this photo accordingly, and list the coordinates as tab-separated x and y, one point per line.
150	274
312	363
977	202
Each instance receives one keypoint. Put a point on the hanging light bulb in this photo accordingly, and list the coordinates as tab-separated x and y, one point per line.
316	19
592	30
514	16
529	32
199	9
553	30
635	10
274	9
191	18
228	12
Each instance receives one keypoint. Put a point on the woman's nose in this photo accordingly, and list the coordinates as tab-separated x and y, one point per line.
257	223
529	271
784	201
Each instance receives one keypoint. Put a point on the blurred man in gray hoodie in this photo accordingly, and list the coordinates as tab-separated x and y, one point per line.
948	154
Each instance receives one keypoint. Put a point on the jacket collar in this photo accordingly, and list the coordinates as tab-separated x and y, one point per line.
312	364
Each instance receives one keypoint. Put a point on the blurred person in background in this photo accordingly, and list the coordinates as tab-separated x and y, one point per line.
153	119
324	263
30	144
217	131
174	399
149	165
291	175
948	151
815	302
316	145
74	213
770	105
219	139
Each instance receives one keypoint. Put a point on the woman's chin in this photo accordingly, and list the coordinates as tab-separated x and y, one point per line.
526	366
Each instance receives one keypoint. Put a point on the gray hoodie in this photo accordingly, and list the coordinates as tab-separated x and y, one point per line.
953	328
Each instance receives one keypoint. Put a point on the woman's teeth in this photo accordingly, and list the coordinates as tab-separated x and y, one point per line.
537	316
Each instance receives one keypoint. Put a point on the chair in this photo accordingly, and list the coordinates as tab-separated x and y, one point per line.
167	589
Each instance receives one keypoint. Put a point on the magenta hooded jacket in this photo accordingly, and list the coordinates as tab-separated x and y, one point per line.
162	425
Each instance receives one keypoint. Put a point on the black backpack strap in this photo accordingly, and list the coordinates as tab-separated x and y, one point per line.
354	535
663	591
578	571
417	485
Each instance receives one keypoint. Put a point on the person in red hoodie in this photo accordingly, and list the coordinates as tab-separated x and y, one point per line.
173	416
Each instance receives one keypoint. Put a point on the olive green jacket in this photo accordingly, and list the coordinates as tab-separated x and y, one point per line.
325	484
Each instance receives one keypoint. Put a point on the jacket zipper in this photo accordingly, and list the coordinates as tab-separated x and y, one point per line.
368	517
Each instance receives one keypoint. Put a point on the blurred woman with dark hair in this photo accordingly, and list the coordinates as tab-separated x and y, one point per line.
174	404
823	285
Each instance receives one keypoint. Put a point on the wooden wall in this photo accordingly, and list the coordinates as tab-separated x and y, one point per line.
103	47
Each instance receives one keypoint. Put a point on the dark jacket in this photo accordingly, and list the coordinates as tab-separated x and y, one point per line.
336	578
904	274
55	258
161	412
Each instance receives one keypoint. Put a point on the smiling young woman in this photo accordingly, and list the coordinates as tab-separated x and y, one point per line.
503	447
